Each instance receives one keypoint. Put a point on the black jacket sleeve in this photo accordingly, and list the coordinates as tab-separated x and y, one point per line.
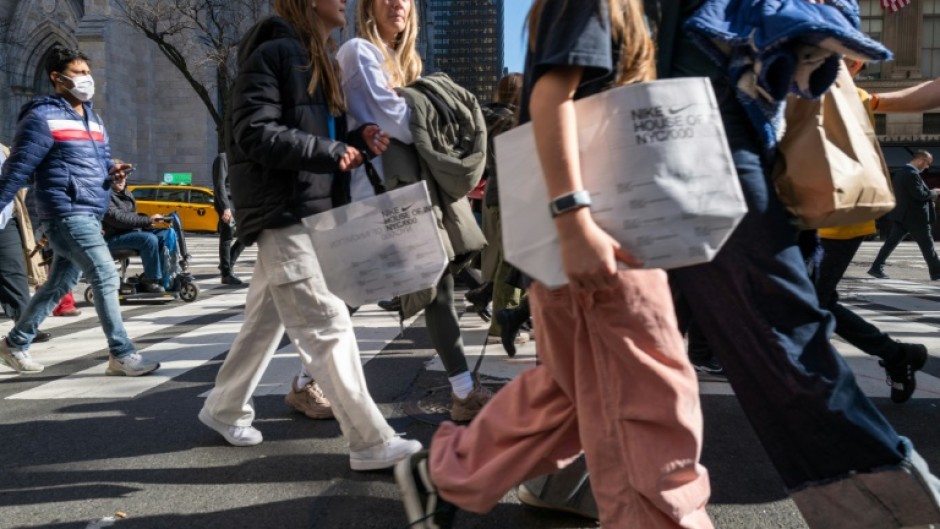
122	216
258	126
915	187
220	189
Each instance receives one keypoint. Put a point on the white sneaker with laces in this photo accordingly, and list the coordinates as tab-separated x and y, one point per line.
132	365
235	435
383	455
18	359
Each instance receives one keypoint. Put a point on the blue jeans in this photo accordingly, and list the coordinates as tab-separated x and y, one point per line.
78	247
154	247
758	310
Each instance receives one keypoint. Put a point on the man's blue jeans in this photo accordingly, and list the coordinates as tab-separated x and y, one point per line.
78	247
758	310
151	245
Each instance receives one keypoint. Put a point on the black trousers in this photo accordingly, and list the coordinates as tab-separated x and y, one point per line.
14	282
229	248
921	233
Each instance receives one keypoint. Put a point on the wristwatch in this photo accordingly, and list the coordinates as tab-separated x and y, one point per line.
570	202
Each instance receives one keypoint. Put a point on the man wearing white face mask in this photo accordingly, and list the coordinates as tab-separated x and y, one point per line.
63	142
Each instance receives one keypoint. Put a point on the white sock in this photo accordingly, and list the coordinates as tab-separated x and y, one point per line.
462	384
302	379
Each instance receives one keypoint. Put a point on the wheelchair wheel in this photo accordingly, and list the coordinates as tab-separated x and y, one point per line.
89	296
189	292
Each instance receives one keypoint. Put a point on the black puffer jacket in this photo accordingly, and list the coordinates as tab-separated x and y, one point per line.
122	215
282	164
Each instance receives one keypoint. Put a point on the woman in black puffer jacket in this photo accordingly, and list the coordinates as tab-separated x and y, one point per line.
285	165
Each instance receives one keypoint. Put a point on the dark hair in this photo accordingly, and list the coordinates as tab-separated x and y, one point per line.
61	57
509	89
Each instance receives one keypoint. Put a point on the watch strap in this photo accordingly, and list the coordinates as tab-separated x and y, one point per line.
569	202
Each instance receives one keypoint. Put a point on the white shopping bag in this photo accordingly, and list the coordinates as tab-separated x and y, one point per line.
380	247
656	161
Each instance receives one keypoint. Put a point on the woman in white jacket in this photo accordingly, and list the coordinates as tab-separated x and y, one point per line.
373	66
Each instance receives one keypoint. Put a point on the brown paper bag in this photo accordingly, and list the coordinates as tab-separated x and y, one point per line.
830	170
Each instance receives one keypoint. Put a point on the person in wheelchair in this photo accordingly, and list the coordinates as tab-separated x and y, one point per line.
124	228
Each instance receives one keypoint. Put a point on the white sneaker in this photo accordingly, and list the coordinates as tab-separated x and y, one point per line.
132	365
384	455
235	435
18	359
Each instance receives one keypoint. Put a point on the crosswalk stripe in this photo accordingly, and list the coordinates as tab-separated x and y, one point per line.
375	330
177	356
181	345
82	343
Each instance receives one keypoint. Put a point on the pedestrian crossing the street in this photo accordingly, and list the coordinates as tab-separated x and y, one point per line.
186	336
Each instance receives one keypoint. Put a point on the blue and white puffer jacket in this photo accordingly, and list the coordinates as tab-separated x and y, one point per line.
70	157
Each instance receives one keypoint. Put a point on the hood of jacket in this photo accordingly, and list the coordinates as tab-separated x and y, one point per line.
449	133
269	29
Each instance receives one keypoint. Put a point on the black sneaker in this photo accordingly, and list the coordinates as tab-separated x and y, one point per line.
231	279
480	296
391	305
42	336
424	507
709	370
150	286
901	372
877	272
479	299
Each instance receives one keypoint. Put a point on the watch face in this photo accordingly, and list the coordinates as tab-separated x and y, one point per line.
575	200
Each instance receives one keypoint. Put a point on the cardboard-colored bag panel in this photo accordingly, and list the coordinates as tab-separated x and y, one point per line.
830	169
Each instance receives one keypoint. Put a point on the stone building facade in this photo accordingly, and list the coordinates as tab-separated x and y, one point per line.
153	117
913	34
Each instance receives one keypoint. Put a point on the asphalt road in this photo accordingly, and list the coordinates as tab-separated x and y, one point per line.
78	448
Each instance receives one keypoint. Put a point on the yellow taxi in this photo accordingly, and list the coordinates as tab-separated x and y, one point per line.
193	204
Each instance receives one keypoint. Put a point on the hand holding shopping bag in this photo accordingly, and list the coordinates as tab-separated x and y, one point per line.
656	162
380	247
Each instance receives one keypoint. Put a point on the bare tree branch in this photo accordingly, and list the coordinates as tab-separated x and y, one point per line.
200	39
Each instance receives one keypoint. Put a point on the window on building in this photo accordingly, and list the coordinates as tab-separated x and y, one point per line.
872	24
931	123
881	124
930	41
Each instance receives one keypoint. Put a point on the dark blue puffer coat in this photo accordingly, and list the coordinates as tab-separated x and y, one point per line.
69	156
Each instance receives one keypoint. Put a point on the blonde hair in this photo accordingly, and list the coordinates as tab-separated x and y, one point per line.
324	71
402	62
628	27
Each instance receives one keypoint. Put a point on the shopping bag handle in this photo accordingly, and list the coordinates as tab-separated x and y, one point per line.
374	178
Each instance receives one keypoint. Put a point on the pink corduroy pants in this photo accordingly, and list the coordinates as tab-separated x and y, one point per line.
615	382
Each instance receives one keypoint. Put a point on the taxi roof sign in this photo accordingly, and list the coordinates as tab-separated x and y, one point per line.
178	178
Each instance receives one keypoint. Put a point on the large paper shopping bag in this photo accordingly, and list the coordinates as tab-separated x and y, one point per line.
381	247
654	157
